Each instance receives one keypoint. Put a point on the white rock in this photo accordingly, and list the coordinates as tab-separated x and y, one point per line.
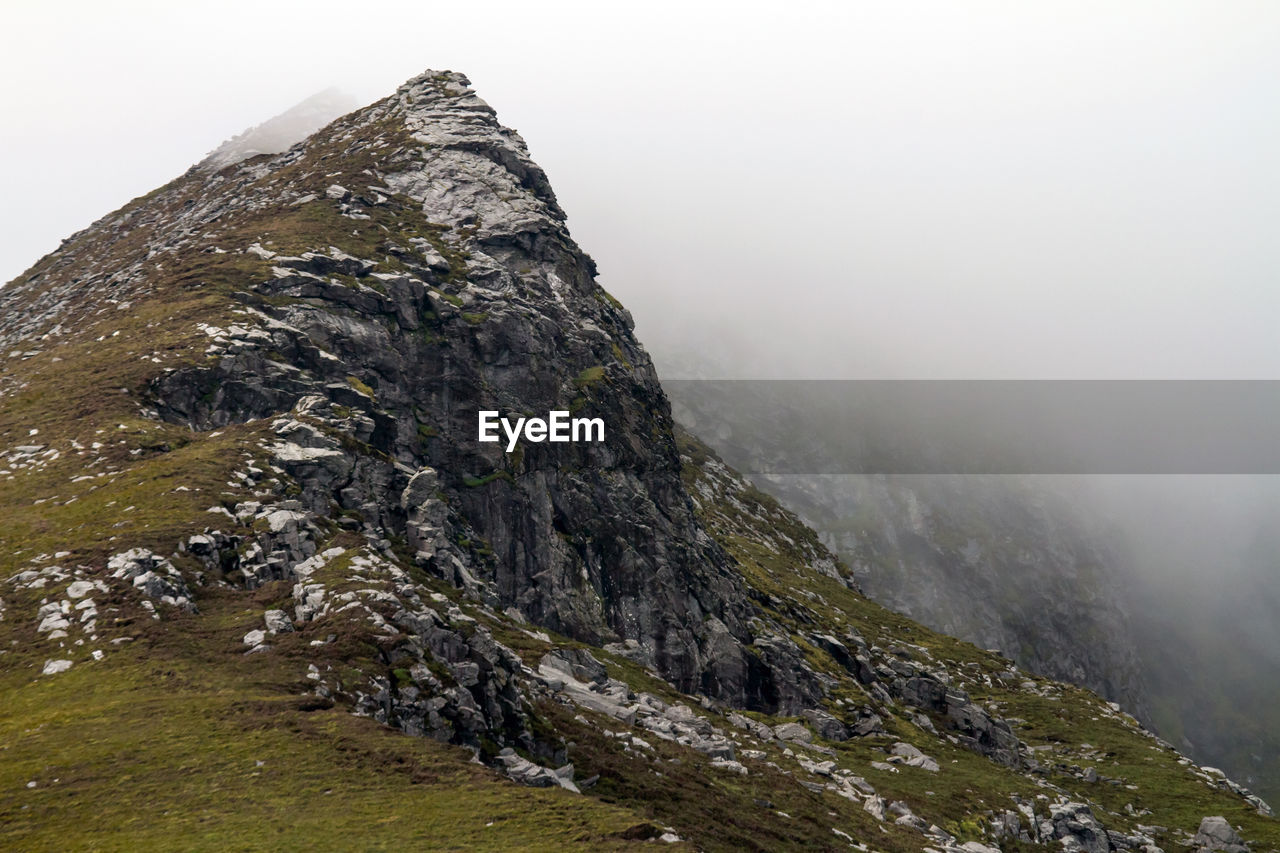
975	847
53	622
53	667
728	764
277	621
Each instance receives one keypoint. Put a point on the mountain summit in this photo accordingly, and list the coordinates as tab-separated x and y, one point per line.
282	132
264	586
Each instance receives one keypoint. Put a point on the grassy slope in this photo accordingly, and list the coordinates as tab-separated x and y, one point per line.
156	747
181	742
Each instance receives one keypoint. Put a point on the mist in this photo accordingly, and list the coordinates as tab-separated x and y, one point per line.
915	190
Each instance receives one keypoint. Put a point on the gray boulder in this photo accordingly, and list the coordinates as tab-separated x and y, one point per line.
792	731
1216	833
277	622
827	726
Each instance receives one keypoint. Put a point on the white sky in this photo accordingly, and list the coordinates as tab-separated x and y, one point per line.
907	189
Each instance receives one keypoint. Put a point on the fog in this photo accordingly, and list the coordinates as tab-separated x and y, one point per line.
907	190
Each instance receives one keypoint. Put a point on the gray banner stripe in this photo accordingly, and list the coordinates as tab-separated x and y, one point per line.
987	427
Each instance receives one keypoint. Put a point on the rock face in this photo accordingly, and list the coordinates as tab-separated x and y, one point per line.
459	291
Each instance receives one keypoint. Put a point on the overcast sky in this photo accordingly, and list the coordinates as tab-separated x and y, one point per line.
902	189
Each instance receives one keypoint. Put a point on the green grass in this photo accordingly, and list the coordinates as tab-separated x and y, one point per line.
362	387
589	377
157	751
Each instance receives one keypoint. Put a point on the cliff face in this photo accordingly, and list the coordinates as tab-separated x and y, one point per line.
397	273
252	544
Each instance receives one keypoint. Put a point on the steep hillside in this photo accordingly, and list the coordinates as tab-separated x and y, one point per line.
263	586
996	560
1151	591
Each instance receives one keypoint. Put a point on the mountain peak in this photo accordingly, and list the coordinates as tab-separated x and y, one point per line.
279	133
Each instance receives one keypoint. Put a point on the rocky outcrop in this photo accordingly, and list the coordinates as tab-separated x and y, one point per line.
398	272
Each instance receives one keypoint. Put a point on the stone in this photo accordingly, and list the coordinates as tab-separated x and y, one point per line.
756	728
792	732
1215	833
53	667
277	622
914	757
729	765
1075	825
978	847
827	726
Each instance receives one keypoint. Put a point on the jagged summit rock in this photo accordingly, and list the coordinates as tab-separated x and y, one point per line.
283	131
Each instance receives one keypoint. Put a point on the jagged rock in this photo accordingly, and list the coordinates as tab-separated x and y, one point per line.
526	772
825	725
728	764
912	821
869	723
914	757
581	665
1075	826
518	275
977	847
923	692
792	732
756	728
876	807
155	577
409	547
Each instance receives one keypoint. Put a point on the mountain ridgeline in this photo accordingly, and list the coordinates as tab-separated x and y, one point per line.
256	564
